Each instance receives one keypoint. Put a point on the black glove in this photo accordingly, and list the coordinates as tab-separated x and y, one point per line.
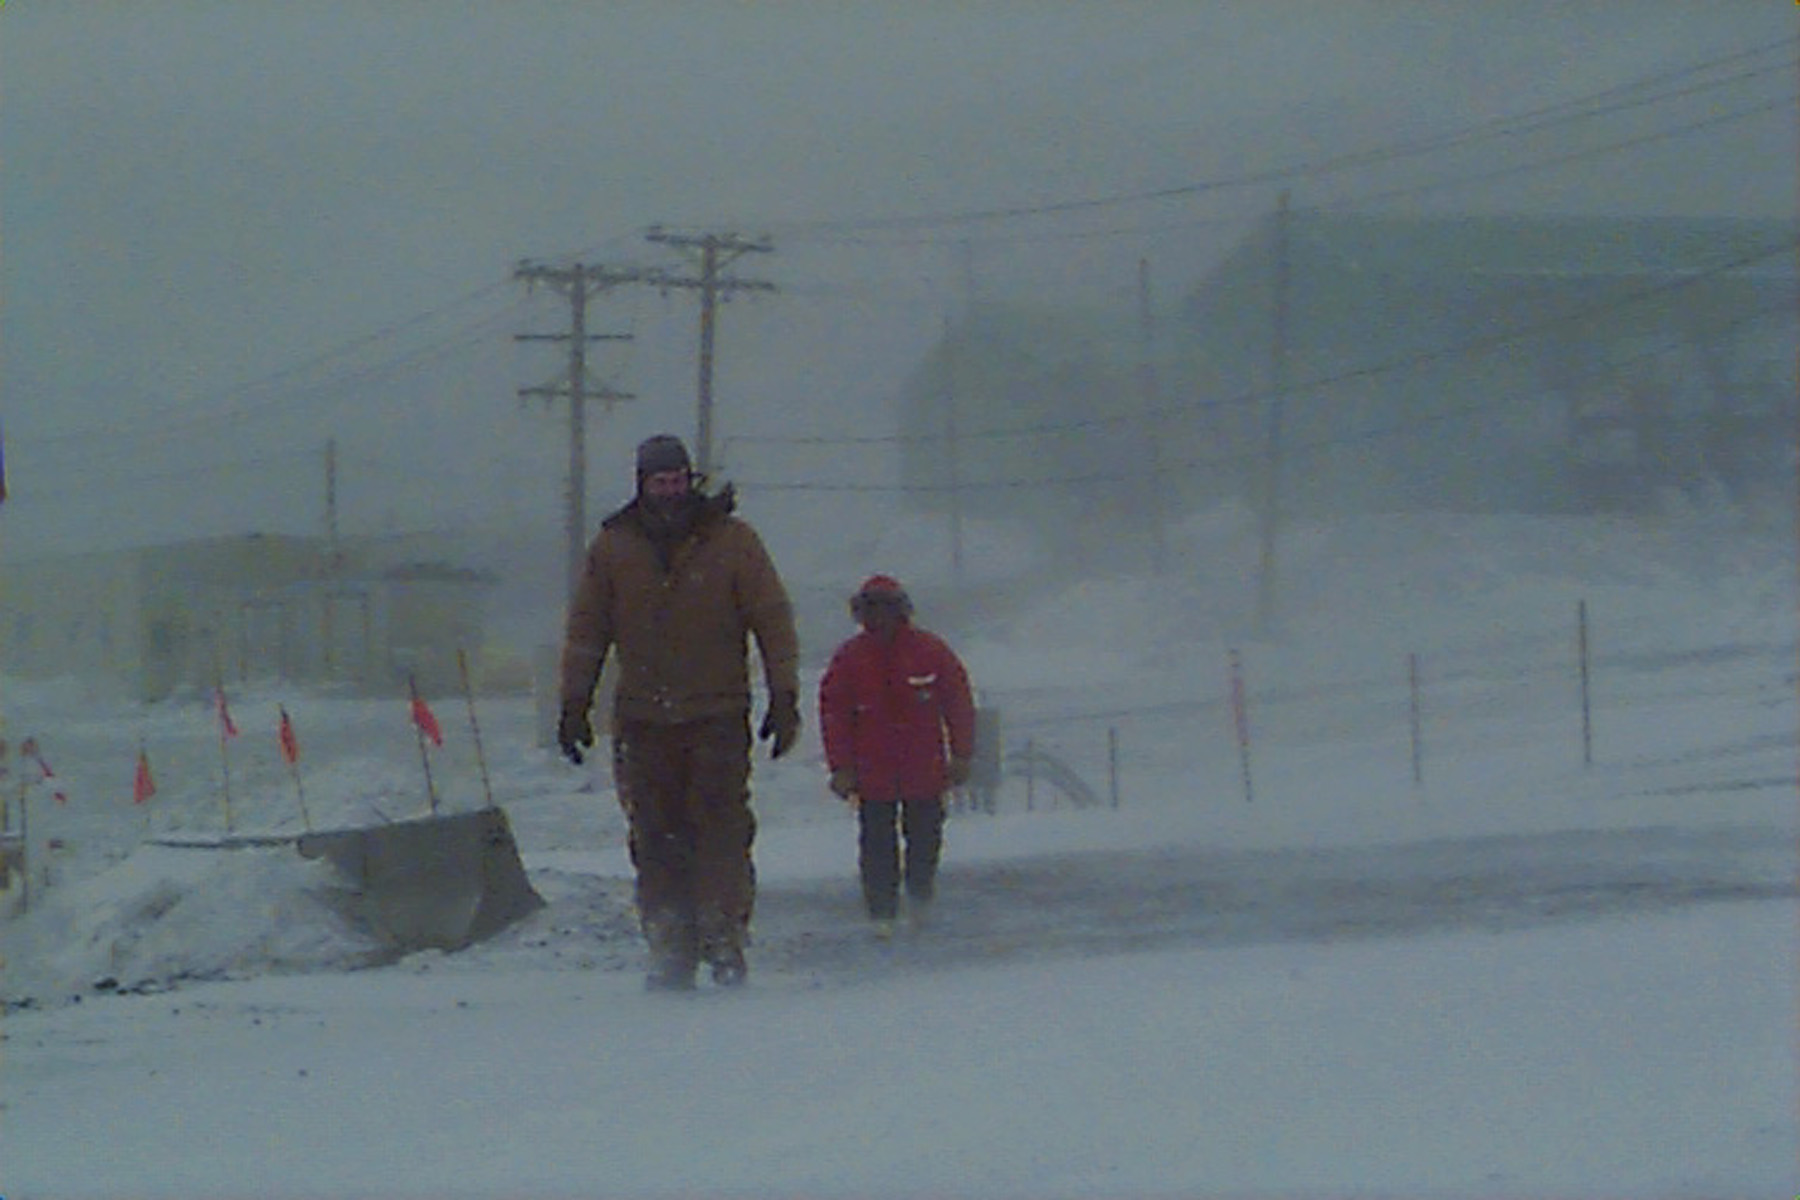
843	783
781	723
957	771
574	732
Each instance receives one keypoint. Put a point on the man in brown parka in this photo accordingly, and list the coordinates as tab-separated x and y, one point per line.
676	584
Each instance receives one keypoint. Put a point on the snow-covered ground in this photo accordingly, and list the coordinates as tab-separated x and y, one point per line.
1296	971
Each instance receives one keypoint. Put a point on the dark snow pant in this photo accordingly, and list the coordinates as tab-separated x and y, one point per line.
879	857
685	789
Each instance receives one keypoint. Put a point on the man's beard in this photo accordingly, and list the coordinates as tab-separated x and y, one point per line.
670	516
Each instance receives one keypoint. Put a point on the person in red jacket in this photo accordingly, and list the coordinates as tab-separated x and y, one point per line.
898	722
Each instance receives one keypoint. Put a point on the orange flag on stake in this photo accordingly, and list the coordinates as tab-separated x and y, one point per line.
290	745
427	722
143	787
29	749
225	721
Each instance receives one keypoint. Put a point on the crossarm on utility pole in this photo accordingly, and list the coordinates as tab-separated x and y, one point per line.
715	252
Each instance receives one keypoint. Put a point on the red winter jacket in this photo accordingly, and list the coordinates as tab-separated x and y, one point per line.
886	710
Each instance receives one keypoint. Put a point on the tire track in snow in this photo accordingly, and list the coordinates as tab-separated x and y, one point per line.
1107	903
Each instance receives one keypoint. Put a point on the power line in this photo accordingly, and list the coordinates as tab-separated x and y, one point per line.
1532	120
1083	425
1651	89
1485	344
394	467
198	413
1594	152
579	282
713	252
1551	162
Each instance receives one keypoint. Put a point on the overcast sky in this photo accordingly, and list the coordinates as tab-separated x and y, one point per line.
234	230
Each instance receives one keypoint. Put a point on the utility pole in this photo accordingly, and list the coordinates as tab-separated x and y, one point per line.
1147	397
578	282
955	383
331	500
1271	499
952	455
334	560
713	252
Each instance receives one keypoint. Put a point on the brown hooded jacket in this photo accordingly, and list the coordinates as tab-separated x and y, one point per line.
682	632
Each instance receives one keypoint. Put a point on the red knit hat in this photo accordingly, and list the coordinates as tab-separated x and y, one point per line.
881	583
879	588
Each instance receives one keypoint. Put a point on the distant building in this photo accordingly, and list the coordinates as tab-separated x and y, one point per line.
1503	363
158	619
1477	363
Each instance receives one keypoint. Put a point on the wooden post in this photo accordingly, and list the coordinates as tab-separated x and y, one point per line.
220	715
1587	711
1418	754
1267	586
24	846
952	456
1030	773
1112	763
1148	402
1240	716
462	665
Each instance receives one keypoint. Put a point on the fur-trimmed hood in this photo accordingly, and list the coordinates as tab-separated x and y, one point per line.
717	506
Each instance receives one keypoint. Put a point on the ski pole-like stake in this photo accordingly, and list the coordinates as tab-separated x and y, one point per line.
227	731
425	725
290	754
24	845
462	665
143	784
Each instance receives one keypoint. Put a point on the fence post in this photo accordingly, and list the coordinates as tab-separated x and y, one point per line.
988	764
1418	754
1587	711
1030	773
1112	763
25	857
1240	715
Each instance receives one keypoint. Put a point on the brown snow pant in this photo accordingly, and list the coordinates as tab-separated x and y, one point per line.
685	789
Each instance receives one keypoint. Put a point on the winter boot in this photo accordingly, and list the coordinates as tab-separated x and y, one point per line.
722	946
918	912
729	968
674	954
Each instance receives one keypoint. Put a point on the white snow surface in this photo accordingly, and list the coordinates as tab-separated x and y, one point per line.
1300	971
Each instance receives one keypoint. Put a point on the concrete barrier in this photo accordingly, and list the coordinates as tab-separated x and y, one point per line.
436	882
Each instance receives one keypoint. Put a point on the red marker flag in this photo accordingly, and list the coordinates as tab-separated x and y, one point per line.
290	745
225	721
60	796
142	787
428	724
30	750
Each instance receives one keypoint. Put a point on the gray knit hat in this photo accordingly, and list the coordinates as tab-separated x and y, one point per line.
664	452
